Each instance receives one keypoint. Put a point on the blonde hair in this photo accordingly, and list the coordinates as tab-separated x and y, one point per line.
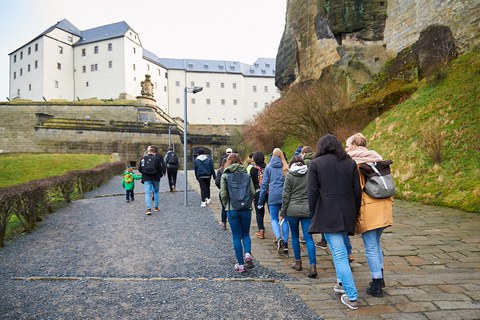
357	140
279	153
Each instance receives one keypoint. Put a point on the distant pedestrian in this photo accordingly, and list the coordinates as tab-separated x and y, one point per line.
272	183
128	183
249	162
239	219
152	168
172	163
295	210
375	215
218	181
334	198
227	153
256	173
204	171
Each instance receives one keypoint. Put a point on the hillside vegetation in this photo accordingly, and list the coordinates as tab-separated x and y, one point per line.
19	168
433	138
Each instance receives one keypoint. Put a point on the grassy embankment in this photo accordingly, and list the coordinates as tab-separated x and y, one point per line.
445	111
20	168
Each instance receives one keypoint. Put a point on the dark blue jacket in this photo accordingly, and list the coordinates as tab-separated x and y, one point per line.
272	182
203	166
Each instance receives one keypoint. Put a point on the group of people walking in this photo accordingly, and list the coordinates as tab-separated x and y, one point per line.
321	192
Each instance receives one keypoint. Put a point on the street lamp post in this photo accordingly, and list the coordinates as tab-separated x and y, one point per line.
187	90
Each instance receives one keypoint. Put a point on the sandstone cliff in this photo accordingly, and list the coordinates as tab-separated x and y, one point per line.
357	37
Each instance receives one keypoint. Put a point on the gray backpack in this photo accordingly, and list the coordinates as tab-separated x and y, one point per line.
378	179
238	187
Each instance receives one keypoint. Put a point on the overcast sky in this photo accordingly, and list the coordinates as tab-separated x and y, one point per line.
239	30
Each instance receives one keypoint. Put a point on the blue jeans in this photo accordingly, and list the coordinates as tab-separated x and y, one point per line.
239	221
151	186
294	224
373	251
347	242
274	210
338	249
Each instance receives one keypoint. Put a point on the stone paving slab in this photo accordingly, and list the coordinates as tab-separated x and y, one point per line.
432	267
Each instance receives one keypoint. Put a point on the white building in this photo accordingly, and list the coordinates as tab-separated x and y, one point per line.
109	62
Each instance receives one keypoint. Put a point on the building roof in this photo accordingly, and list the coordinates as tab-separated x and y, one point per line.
105	32
263	67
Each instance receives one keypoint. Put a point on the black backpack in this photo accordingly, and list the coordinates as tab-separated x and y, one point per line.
238	186
149	164
172	159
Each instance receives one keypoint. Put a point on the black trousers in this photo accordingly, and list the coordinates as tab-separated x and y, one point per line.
204	188
130	194
172	177
259	213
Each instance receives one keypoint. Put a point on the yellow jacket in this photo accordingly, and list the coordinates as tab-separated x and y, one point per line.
374	213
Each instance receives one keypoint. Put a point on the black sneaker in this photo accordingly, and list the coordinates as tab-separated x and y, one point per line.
128	201
285	248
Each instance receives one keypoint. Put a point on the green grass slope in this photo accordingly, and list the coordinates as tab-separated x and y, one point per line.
446	111
19	168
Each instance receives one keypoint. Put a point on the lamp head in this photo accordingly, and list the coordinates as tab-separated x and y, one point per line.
197	89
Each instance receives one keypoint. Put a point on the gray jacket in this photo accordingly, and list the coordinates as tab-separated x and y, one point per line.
295	192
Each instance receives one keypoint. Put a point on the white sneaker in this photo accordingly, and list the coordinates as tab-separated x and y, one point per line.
209	200
204	204
239	268
338	288
248	261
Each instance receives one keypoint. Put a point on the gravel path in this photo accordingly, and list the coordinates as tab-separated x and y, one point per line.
102	258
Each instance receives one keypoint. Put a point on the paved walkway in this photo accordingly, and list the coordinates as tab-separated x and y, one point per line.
99	258
432	267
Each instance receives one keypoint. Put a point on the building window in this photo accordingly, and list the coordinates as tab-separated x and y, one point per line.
36	47
265	88
164	88
29	87
177	83
134	67
14	58
148	67
134	51
110	47
264	71
256	65
166	75
29	50
59	66
110	64
36	64
267	65
234	102
21	55
159	72
234	85
192	84
135	79
177	100
207	84
208	101
266	104
222	102
222	85
18	92
56	84
84	52
28	68
86	84
255	105
84	69
254	88
21	72
70	39
15	75
193	100
95	49
94	67
60	49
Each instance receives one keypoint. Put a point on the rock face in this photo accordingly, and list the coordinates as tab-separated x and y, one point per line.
358	36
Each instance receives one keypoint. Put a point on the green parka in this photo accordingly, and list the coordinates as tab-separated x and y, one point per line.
295	193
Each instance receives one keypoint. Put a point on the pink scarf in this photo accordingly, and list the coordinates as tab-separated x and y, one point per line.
362	155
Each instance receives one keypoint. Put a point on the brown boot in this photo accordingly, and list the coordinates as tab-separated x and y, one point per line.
260	234
312	272
297	265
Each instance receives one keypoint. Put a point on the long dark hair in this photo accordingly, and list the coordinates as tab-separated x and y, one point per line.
330	144
296	159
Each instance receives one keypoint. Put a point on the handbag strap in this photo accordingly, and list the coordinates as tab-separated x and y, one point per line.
373	164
